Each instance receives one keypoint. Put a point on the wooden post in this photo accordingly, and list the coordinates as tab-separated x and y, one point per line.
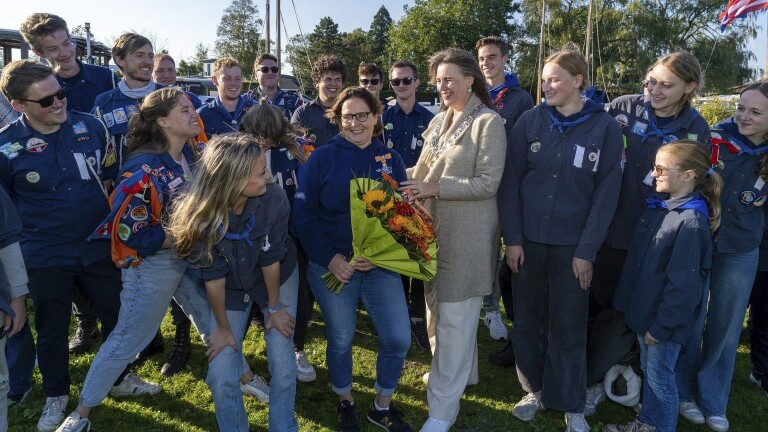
541	50
266	30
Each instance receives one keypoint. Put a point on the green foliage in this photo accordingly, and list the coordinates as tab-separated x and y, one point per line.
628	36
379	37
239	34
716	110
432	25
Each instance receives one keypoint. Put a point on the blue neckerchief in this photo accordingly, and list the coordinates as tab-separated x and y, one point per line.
736	138
561	125
510	80
654	130
697	204
246	234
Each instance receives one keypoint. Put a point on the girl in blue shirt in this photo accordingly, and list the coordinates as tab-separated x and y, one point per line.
663	287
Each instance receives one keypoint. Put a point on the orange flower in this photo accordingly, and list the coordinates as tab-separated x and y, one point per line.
308	149
397	223
387	178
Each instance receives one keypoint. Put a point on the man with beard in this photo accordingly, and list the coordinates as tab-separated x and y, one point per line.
223	114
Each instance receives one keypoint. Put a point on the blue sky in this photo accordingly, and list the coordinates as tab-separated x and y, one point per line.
178	25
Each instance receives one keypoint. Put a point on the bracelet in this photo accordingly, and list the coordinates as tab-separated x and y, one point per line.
271	310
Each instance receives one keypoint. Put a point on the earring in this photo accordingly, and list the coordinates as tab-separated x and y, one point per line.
469	89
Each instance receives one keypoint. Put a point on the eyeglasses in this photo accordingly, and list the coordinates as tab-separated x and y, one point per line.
396	81
265	69
48	100
361	117
658	169
373	81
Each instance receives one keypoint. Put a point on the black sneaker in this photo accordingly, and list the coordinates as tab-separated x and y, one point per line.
760	379
85	334
389	420
347	417
419	332
504	358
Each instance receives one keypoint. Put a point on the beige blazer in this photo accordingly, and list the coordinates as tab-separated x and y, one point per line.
468	173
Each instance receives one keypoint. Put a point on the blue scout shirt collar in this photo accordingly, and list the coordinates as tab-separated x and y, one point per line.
683	119
562	122
238	109
690	201
510	81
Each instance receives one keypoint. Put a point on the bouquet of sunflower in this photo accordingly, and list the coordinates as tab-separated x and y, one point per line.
389	231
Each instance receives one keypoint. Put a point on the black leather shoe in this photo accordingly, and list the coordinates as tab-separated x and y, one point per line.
155	347
179	353
504	358
85	334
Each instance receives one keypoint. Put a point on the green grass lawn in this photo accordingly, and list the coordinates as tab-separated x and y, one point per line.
185	403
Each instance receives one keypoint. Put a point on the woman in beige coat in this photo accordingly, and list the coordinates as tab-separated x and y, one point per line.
458	174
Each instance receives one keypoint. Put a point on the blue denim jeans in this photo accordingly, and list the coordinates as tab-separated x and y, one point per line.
382	294
660	399
225	370
147	291
3	387
492	300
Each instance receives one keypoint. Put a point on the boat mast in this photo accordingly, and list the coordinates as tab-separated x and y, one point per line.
588	48
541	50
279	17
266	30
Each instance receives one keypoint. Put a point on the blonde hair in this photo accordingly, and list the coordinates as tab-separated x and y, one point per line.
225	62
689	155
201	214
571	60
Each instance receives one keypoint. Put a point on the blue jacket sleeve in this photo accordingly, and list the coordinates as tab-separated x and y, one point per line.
306	214
510	204
605	197
683	293
217	269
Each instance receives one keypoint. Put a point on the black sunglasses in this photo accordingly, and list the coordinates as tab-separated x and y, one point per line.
265	69
396	81
373	81
48	100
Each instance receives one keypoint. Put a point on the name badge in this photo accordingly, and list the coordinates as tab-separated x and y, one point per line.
759	183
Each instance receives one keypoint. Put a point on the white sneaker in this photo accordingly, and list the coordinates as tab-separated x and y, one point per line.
691	412
425	378
304	370
256	387
132	385
435	425
53	413
595	395
75	423
526	408
718	423
494	323
576	422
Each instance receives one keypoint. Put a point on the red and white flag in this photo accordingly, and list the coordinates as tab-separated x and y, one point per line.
739	9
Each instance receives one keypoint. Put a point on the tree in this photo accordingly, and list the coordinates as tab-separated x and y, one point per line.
325	39
432	25
239	34
185	68
358	48
379	36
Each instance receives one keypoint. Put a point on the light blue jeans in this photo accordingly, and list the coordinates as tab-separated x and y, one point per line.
228	366
382	294
492	300
660	398
4	386
147	290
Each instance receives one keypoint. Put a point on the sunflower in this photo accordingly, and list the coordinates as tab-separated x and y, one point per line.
377	201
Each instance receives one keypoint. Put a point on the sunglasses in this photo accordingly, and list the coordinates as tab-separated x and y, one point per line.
658	169
265	69
396	81
373	81
48	100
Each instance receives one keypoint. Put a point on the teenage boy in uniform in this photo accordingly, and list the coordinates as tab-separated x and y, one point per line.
328	76
268	76
223	114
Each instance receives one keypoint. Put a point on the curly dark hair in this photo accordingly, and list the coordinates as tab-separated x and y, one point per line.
325	64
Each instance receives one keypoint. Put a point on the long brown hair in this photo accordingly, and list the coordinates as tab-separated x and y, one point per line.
467	65
762	87
144	133
266	121
689	155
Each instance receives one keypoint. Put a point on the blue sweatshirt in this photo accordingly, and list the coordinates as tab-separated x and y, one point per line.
83	88
561	179
217	120
263	226
663	286
321	208
55	181
744	192
632	113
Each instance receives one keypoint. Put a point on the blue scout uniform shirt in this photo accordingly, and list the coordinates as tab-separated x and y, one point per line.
561	183
83	88
217	120
56	183
403	132
285	169
257	238
311	117
510	101
744	192
664	282
285	101
10	230
640	146
321	208
134	229
115	108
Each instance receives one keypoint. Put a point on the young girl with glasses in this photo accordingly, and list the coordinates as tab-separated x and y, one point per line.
663	288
